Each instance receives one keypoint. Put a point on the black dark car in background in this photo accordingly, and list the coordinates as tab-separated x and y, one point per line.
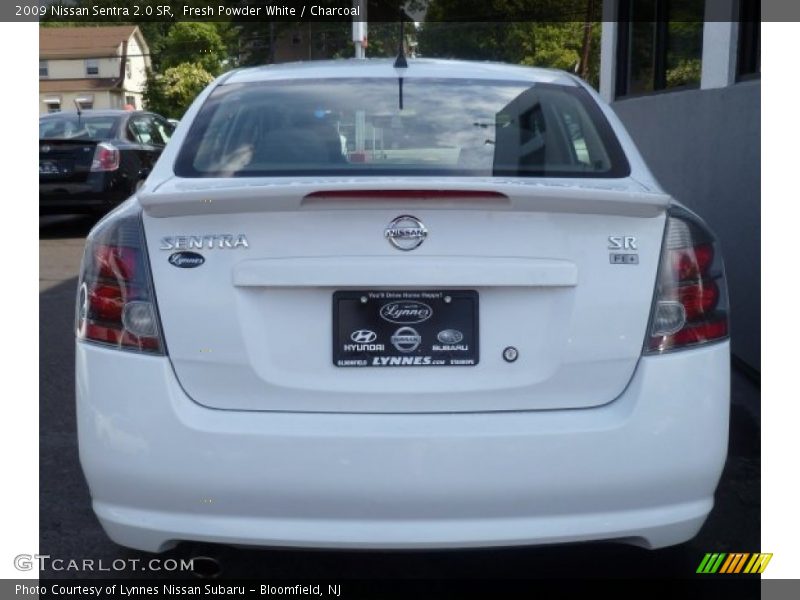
91	161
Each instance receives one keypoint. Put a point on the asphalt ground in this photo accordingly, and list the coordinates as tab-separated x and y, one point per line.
69	529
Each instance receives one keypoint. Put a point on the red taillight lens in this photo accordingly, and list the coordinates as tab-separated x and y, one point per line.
106	157
112	335
698	299
691	304
105	302
115	262
701	332
116	305
690	263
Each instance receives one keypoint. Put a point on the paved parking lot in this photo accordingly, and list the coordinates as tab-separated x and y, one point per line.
69	529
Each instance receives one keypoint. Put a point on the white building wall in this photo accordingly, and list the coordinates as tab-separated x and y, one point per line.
720	40
108	68
135	83
608	62
75	68
101	100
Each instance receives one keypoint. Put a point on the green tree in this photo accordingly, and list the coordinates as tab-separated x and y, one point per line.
543	33
383	38
171	93
194	42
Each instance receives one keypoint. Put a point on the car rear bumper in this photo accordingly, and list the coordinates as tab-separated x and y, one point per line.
641	469
100	191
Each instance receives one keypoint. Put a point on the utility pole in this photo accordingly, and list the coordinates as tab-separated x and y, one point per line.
583	65
360	28
271	42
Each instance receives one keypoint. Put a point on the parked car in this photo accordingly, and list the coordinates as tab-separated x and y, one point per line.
89	162
350	311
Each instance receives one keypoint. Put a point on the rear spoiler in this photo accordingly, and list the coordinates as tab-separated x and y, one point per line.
180	197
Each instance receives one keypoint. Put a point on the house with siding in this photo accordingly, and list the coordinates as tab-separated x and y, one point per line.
95	67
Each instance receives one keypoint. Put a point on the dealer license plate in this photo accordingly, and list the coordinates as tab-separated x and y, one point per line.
405	328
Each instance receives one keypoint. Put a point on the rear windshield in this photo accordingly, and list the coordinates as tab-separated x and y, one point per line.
400	127
73	127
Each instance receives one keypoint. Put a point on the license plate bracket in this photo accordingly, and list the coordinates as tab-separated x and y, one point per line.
49	167
405	328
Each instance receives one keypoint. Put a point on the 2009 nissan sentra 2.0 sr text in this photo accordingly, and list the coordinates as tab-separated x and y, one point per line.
440	306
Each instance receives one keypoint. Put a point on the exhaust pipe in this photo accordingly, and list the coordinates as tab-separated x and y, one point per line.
206	567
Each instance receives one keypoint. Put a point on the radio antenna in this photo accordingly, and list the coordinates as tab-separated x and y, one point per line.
400	62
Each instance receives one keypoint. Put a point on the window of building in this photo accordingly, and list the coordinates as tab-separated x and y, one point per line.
44	69
85	102
130	100
92	66
749	58
659	45
128	69
53	104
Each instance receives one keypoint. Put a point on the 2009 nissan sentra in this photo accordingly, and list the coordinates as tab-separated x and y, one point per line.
446	305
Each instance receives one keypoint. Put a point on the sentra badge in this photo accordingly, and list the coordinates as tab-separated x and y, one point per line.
205	242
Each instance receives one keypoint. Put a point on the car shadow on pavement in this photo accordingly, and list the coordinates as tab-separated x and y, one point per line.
69	529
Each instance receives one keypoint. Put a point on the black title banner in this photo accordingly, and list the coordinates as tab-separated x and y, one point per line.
137	11
405	589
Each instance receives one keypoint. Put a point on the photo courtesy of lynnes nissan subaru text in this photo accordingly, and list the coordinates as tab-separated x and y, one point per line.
363	306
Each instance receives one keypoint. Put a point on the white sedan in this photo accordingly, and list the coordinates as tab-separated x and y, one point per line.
363	306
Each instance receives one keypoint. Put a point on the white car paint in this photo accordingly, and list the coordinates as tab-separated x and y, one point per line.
245	432
641	469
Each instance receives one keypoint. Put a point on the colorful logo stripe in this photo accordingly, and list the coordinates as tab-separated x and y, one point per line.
736	562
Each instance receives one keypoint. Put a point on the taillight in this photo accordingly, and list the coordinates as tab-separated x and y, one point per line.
106	157
691	299
116	304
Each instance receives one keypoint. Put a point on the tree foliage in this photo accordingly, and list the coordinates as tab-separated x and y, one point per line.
171	93
194	43
543	33
550	44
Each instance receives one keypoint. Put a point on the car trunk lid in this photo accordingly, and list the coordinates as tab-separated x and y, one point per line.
257	325
67	161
